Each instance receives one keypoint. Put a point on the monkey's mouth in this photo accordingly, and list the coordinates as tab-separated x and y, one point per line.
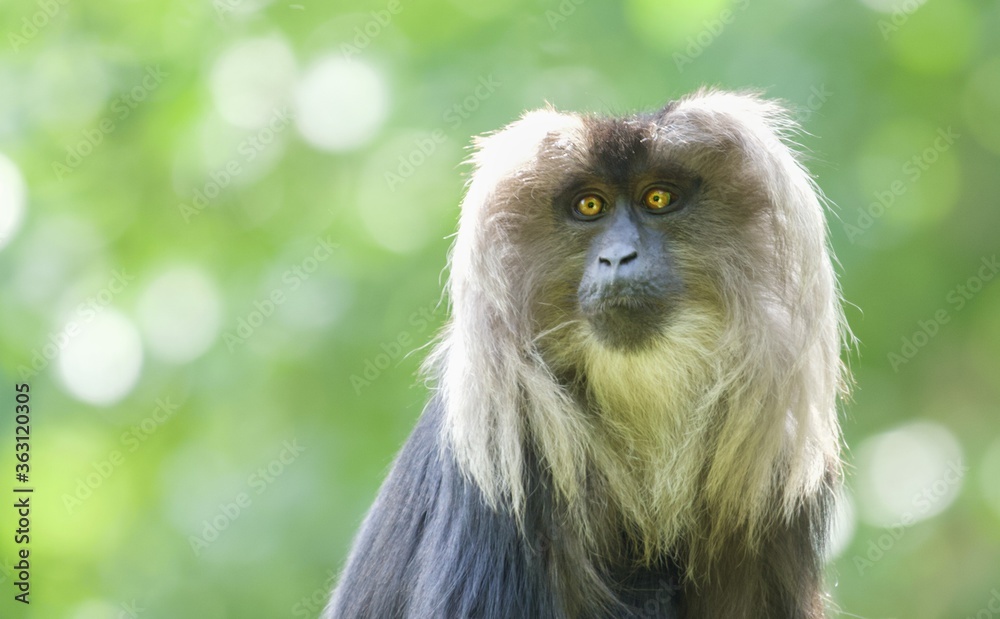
624	319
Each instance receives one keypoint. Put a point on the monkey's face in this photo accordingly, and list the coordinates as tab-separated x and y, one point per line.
627	230
629	279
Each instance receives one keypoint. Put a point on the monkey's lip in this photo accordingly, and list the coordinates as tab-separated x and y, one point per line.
619	298
628	303
624	322
634	313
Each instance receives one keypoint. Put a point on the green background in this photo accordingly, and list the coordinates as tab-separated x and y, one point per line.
901	102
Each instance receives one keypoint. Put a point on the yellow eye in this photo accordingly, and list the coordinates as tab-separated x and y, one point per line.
590	205
657	199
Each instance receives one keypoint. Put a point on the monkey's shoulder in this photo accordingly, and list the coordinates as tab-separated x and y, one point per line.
431	547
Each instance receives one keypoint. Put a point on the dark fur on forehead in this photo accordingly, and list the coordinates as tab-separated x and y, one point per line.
618	146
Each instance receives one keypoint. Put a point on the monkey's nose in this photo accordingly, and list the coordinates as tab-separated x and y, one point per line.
617	255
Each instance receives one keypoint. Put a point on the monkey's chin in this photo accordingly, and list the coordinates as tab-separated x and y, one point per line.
628	327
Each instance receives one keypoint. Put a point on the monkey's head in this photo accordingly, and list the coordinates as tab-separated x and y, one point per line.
674	264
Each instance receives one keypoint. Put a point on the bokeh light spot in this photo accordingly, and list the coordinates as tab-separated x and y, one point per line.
12	200
180	313
908	474
101	360
340	104
252	79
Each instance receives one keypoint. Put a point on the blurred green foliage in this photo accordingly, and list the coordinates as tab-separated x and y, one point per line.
273	185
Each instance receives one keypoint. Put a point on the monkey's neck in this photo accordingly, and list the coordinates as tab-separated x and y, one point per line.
645	453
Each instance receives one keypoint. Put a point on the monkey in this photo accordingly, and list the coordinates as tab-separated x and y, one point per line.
633	409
